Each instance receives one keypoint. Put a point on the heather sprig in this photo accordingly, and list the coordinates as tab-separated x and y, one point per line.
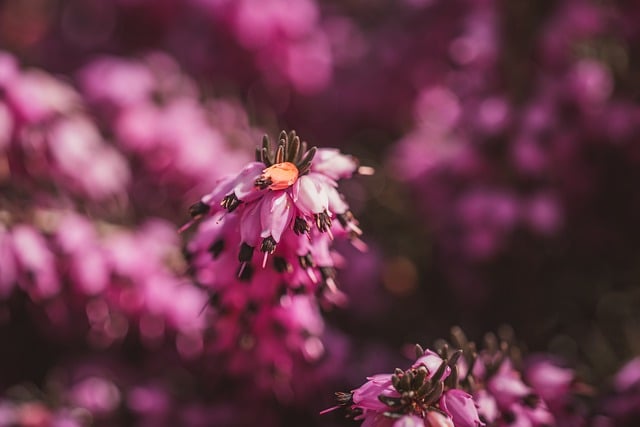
263	250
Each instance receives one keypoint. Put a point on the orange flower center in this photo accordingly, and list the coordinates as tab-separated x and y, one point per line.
280	176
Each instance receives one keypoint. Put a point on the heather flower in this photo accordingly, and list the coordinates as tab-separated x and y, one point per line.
461	407
621	403
628	377
108	278
47	139
507	386
419	396
551	381
437	419
467	389
500	394
409	421
36	262
263	251
286	40
286	196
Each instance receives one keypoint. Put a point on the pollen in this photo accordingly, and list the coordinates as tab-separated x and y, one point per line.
279	176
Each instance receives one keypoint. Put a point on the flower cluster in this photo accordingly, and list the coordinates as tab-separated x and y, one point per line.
427	394
102	280
620	405
495	379
47	139
469	388
157	119
101	392
484	159
286	205
264	253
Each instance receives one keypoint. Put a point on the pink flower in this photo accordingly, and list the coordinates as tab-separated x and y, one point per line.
437	419
8	263
286	195
366	396
628	376
37	262
460	406
487	406
507	387
96	394
265	254
550	381
409	421
432	361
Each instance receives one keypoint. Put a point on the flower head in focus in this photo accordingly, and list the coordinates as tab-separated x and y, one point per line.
263	250
288	197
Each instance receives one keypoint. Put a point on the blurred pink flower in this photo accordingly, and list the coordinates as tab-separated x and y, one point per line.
461	407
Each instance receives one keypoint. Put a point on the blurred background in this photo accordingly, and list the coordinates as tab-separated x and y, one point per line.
505	135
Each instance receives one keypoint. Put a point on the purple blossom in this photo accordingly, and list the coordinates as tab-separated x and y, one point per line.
366	396
277	198
461	407
265	264
415	397
551	381
437	419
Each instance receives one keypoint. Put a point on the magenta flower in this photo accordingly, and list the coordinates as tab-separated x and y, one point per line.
415	397
460	406
487	406
447	388
409	421
265	255
366	396
551	382
507	386
437	419
286	195
47	138
432	361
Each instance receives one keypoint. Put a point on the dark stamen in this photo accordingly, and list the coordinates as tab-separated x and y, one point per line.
198	209
344	398
327	273
301	226
216	248
263	182
345	218
299	290
323	221
187	255
230	202
281	265
306	261
252	307
246	253
268	244
531	400
245	273
214	299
